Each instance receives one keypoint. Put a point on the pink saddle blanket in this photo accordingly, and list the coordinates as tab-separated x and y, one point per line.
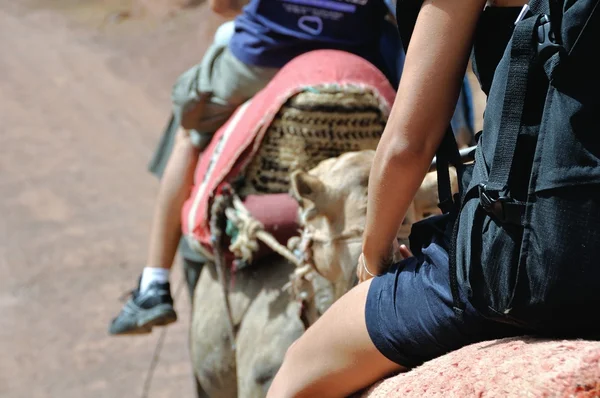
238	140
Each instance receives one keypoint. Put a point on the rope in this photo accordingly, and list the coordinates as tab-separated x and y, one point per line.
220	204
157	350
277	247
250	231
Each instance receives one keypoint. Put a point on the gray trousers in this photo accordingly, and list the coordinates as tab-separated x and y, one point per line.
204	97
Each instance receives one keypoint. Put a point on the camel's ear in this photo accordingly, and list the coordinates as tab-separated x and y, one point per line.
306	186
307	190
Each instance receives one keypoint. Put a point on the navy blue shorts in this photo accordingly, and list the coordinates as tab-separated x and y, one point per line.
410	316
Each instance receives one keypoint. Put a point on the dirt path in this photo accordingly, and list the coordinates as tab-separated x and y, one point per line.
78	121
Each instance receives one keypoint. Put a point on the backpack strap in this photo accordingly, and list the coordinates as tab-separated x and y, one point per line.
493	194
447	155
538	7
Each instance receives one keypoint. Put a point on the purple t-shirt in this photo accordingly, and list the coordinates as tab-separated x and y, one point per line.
270	33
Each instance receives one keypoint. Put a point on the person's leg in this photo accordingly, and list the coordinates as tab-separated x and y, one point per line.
151	304
203	99
335	357
390	323
235	81
174	189
230	83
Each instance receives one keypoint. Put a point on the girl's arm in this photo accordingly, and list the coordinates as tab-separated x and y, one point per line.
431	80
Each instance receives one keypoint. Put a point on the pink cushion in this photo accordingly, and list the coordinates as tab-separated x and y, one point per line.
514	367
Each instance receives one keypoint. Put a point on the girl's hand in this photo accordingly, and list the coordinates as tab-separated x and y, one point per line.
362	270
365	271
405	252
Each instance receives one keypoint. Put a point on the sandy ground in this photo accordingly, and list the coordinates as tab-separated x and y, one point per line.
84	93
81	107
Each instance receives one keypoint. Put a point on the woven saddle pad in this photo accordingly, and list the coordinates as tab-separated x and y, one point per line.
313	125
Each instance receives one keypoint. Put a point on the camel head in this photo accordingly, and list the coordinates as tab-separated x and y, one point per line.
332	201
333	204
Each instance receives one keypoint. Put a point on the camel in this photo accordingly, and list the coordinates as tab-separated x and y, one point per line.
266	321
333	205
243	322
268	318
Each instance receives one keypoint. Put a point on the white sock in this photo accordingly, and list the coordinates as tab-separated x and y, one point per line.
153	274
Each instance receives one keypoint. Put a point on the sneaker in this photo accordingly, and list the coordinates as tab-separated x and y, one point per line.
154	307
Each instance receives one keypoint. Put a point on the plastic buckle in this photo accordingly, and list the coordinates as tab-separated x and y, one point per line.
492	202
547	45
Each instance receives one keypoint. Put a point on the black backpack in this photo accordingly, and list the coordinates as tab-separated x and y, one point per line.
525	229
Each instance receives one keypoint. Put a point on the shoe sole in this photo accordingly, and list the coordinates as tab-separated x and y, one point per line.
158	316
